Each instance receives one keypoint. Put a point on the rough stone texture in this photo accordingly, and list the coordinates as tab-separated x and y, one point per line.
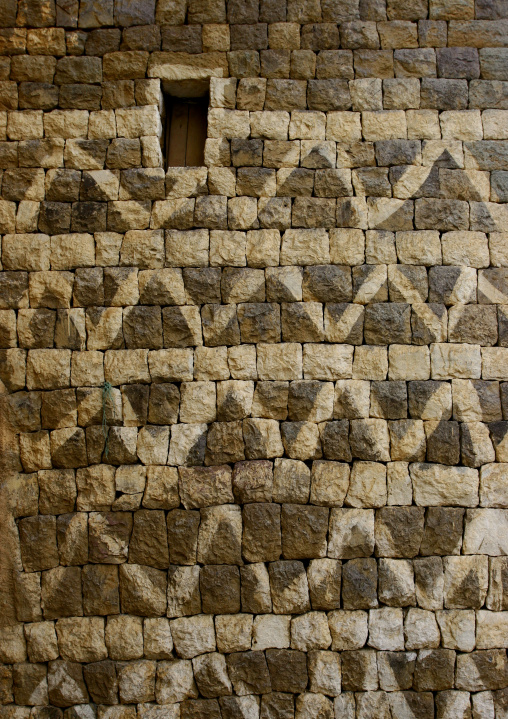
256	411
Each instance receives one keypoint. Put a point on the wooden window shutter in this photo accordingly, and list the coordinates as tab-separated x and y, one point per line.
186	132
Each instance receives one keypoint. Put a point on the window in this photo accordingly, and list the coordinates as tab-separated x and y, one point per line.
186	131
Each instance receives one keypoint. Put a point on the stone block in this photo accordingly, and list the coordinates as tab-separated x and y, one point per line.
175	682
184	598
193	635
220	535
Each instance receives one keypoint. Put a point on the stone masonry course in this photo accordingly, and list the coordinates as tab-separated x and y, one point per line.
254	414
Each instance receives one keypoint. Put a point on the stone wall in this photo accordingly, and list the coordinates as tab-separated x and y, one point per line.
255	414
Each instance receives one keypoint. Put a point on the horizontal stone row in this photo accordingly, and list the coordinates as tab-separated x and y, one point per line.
96	187
50	369
93	641
102	328
120	13
50	203
367	121
347	705
277	675
262	532
473	444
283	587
217	212
296	53
162	403
322	94
274	38
130	638
398	93
368	252
133	122
374	89
477	130
329	484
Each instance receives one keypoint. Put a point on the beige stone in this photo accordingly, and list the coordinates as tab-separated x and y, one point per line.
269	125
175	682
42	644
367	487
305	247
81	639
385	629
327	362
71	251
193	635
157	639
220	532
493	489
491	629
12	643
124	637
421	630
227	248
138	121
439	485
26	252
351	533
228	123
370	363
279	361
457	628
453	361
310	631
343	126
494	363
486	530
461	125
465	248
407	362
271	631
25	125
234	632
66	124
349	629
384	125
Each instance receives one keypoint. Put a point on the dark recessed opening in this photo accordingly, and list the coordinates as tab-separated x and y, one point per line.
186	120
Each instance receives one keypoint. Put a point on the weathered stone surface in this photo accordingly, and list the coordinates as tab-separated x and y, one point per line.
260	402
193	635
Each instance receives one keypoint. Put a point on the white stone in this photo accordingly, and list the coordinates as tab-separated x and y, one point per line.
457	629
436	485
310	631
367	485
486	532
491	630
324	672
421	630
349	629
193	635
271	631
385	629
450	361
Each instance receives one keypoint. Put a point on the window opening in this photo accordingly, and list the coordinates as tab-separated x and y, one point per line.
186	124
